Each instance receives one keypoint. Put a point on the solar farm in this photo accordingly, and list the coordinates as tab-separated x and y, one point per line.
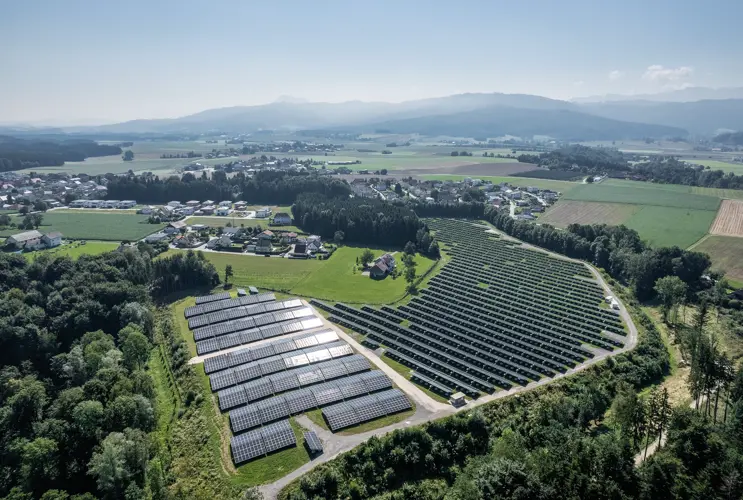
497	315
280	376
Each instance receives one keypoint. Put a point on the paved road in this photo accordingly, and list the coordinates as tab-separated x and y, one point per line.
428	409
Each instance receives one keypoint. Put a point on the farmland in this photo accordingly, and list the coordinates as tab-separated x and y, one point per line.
729	221
569	212
333	279
94	226
559	186
641	195
726	253
76	249
536	317
736	168
675	188
670	226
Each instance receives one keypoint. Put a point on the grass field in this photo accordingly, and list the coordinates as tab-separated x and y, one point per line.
726	253
635	194
94	226
671	226
566	212
736	168
333	279
76	249
675	188
559	186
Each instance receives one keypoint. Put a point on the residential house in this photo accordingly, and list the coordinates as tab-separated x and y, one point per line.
388	260
223	211
225	203
186	211
207	210
51	240
175	227
532	189
537	209
264	242
240	205
125	204
263	213
27	240
379	270
154	238
289	237
146	210
209	202
282	219
174	204
192	203
109	204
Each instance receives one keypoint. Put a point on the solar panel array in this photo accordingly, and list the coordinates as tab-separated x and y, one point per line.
313	442
301	400
220	305
356	411
248	322
262	441
241	312
255	334
261	387
212	298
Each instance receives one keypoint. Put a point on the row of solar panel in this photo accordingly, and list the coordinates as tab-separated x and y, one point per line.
219	305
301	400
242	356
262	441
255	334
300	377
369	407
241	312
205	299
278	363
207	332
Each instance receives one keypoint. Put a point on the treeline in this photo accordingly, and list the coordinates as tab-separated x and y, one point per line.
729	138
17	154
268	187
669	170
362	220
76	398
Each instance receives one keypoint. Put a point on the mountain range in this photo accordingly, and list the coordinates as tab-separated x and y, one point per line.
466	115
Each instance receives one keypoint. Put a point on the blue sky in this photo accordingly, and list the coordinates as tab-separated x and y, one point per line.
77	60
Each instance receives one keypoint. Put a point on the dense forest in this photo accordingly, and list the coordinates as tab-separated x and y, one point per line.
76	395
17	154
268	187
585	160
729	138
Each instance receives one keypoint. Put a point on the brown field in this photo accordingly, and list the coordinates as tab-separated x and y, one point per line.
567	212
726	253
729	220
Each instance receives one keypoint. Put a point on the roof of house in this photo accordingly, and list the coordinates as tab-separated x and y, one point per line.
53	234
281	214
267	232
381	266
26	236
178	224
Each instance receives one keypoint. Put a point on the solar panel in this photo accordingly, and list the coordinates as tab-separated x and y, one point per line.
306	342
222	379
232	397
292	303
333	369
273	409
300	401
367	408
393	401
207	346
278	435
263	351
356	363
327	393
313	442
282	316
264	319
271	331
319	355
231	340
376	380
352	387
285	381
302	313
272	365
252	335
247	446
203	333
258	389
326	337
340	351
245	418
284	346
291	326
241	357
247	372
310	377
296	360
216	363
309	324
340	415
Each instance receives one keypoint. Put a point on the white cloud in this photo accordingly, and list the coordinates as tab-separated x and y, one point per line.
616	74
659	73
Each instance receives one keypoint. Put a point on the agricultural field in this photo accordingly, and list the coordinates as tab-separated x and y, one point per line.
567	212
729	221
634	194
559	186
726	253
334	279
534	317
75	249
728	167
670	226
675	188
94	226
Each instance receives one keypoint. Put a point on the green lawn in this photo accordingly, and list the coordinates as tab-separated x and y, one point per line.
559	186
93	226
671	226
642	194
76	249
333	279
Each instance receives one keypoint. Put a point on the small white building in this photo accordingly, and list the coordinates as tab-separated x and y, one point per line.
174	204
223	211
263	213
53	239
154	238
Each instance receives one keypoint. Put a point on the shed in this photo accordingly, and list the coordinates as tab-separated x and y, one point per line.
241	292
253	290
457	399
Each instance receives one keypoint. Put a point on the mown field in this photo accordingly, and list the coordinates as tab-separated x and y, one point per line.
736	168
671	226
94	226
567	212
559	186
76	249
642	194
726	253
333	279
675	188
729	221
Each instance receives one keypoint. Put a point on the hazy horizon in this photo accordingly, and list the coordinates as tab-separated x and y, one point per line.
82	62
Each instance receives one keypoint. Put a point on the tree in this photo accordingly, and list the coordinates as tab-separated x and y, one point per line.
366	257
589	179
435	194
433	250
398	189
624	409
4	220
671	291
338	237
409	248
136	350
228	273
36	220
410	274
121	459
40	464
128	155
383	171
408	260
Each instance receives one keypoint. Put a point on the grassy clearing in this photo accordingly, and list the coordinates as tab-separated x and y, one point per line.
93	226
559	186
669	226
726	253
75	249
641	195
178	309
316	417
377	423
